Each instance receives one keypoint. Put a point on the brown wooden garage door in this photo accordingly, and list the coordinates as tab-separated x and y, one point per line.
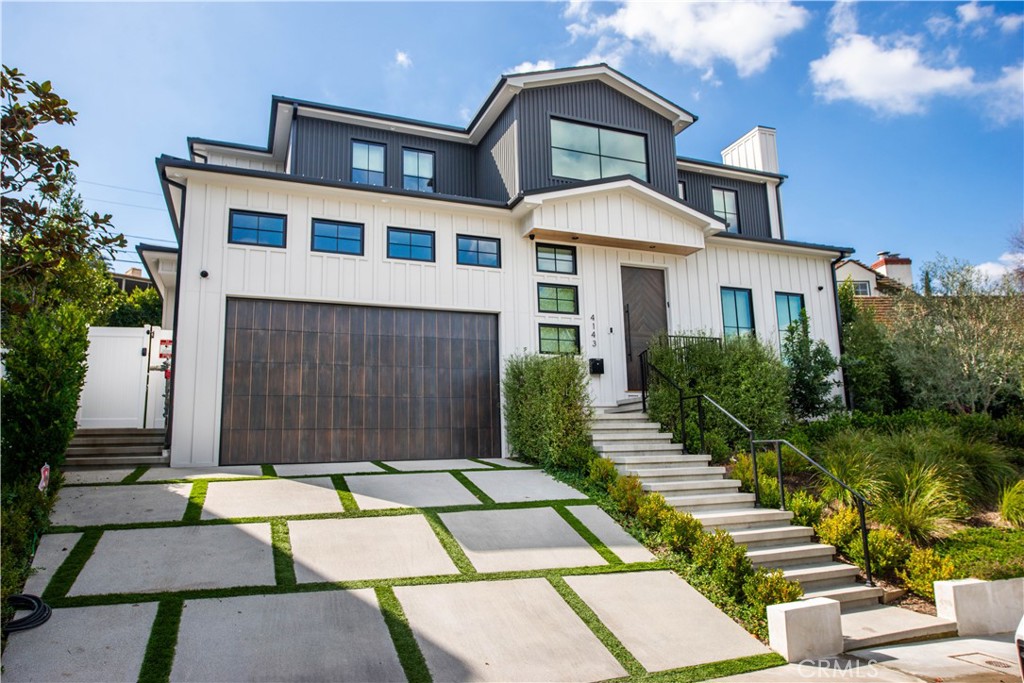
308	382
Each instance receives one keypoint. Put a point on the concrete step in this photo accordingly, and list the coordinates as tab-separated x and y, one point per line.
741	518
850	597
710	502
618	436
629	407
650	460
884	625
118	440
655	474
117	460
634	426
118	431
772	537
602	415
692	487
130	449
822	575
803	553
632	447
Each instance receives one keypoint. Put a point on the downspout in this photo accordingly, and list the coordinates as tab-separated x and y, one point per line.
847	398
180	220
778	208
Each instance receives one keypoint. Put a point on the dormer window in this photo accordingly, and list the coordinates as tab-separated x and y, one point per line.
417	170
367	163
726	208
583	152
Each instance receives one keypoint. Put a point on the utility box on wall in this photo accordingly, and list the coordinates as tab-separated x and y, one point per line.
597	366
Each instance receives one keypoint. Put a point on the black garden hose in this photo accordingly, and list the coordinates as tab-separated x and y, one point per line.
40	613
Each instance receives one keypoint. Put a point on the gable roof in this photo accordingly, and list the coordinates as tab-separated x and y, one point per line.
883	282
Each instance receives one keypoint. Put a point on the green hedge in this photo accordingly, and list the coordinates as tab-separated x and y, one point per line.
548	410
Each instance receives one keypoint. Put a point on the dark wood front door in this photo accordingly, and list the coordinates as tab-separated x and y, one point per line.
307	382
643	301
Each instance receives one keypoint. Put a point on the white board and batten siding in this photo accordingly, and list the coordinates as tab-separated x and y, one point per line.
299	274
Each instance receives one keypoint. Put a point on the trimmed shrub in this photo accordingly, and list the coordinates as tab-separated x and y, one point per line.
1011	504
810	369
839	529
680	531
889	551
141	307
24	515
548	410
717	555
769	587
626	492
806	509
652	507
924	567
602	472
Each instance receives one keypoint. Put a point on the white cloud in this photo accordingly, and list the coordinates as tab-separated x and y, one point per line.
693	34
609	50
939	25
972	13
1010	22
1003	98
402	59
994	270
842	20
526	67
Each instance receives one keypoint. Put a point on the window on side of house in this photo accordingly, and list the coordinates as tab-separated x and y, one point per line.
478	251
861	288
682	190
368	163
262	229
560	339
554	259
726	207
334	237
787	309
558	299
737	312
417	170
583	152
411	245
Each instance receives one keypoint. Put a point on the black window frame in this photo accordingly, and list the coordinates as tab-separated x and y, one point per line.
540	339
432	184
352	161
575	298
459	250
753	320
575	258
413	231
599	126
231	228
347	224
729	227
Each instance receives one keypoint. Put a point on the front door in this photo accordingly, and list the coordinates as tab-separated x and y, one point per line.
643	301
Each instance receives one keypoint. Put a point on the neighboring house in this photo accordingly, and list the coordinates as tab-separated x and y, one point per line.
131	279
875	286
351	290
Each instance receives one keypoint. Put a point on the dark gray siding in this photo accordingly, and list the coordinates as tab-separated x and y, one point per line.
590	102
752	198
323	149
497	158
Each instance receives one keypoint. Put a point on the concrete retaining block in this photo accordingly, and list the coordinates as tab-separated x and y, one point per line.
981	608
807	629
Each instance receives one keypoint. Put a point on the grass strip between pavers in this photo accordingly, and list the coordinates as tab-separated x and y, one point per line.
589	536
163	641
597	627
268	470
348	501
71	567
490	465
134	476
386	467
450	545
473	488
409	654
284	567
704	672
196	499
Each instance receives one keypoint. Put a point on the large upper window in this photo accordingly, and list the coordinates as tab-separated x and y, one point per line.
414	245
584	152
337	238
552	259
417	170
249	227
726	207
558	299
367	163
787	308
478	251
737	312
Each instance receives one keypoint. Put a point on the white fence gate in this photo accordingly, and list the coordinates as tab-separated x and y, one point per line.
124	385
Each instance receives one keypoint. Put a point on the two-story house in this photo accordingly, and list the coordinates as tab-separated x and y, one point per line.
350	290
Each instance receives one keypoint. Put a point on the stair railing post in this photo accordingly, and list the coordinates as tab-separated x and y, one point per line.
753	464
778	463
643	379
700	422
682	421
864	542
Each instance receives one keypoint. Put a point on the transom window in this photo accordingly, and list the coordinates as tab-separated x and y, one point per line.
368	163
861	288
559	339
552	259
787	308
726	207
583	152
249	227
417	170
478	251
737	312
337	238
558	299
414	245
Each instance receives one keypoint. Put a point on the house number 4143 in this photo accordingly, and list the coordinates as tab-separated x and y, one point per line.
593	330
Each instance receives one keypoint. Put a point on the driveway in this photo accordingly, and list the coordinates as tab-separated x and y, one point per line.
444	570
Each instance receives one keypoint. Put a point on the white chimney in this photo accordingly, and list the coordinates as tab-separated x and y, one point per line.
892	265
755	150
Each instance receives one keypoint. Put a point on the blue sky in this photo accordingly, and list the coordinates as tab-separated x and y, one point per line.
899	123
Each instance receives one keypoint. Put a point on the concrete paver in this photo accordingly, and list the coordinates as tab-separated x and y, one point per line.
951	659
503	631
444	464
507	462
608	531
409	490
519	487
822	671
103	644
52	551
328	636
879	624
226	472
310	469
662	620
367	548
534	538
270	498
178	558
95	505
96	476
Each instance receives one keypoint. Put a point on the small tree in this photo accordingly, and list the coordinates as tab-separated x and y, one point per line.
141	307
868	364
811	367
